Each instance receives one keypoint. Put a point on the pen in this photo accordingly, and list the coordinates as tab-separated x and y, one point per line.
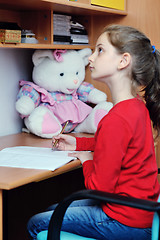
55	143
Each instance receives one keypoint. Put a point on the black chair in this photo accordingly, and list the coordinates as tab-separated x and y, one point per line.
54	230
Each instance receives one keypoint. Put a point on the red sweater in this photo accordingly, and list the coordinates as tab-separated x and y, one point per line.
124	160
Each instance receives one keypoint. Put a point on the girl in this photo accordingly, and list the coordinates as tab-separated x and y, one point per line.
124	158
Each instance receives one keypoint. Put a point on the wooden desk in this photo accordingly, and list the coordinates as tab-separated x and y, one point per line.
14	177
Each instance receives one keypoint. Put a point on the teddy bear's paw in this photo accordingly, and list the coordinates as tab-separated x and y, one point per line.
89	125
25	105
96	96
43	123
86	126
100	110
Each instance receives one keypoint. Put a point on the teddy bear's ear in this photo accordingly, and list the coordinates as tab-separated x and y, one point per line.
85	53
39	55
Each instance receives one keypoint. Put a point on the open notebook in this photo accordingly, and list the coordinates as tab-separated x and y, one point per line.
33	157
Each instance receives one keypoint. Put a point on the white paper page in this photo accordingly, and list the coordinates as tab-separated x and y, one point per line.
33	157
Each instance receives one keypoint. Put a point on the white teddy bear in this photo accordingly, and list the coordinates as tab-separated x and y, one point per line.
58	94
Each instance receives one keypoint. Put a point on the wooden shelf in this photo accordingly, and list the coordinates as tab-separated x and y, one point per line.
80	8
58	5
45	46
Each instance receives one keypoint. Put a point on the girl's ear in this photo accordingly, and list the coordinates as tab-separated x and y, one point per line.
124	61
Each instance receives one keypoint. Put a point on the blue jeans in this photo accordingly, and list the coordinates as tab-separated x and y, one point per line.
86	218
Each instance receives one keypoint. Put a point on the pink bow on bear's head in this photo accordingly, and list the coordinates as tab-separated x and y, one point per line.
57	55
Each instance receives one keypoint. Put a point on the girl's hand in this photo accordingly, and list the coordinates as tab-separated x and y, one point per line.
82	155
64	142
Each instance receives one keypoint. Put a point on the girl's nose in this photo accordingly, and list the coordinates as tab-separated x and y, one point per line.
90	59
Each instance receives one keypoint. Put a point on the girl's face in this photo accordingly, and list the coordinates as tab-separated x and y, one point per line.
105	59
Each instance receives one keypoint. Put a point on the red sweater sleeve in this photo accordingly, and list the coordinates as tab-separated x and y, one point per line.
85	144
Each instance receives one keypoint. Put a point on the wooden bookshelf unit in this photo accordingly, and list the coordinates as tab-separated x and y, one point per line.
37	15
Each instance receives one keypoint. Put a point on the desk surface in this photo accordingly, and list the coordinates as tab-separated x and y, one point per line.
15	177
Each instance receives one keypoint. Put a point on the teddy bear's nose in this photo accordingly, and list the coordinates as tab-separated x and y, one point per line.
75	81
